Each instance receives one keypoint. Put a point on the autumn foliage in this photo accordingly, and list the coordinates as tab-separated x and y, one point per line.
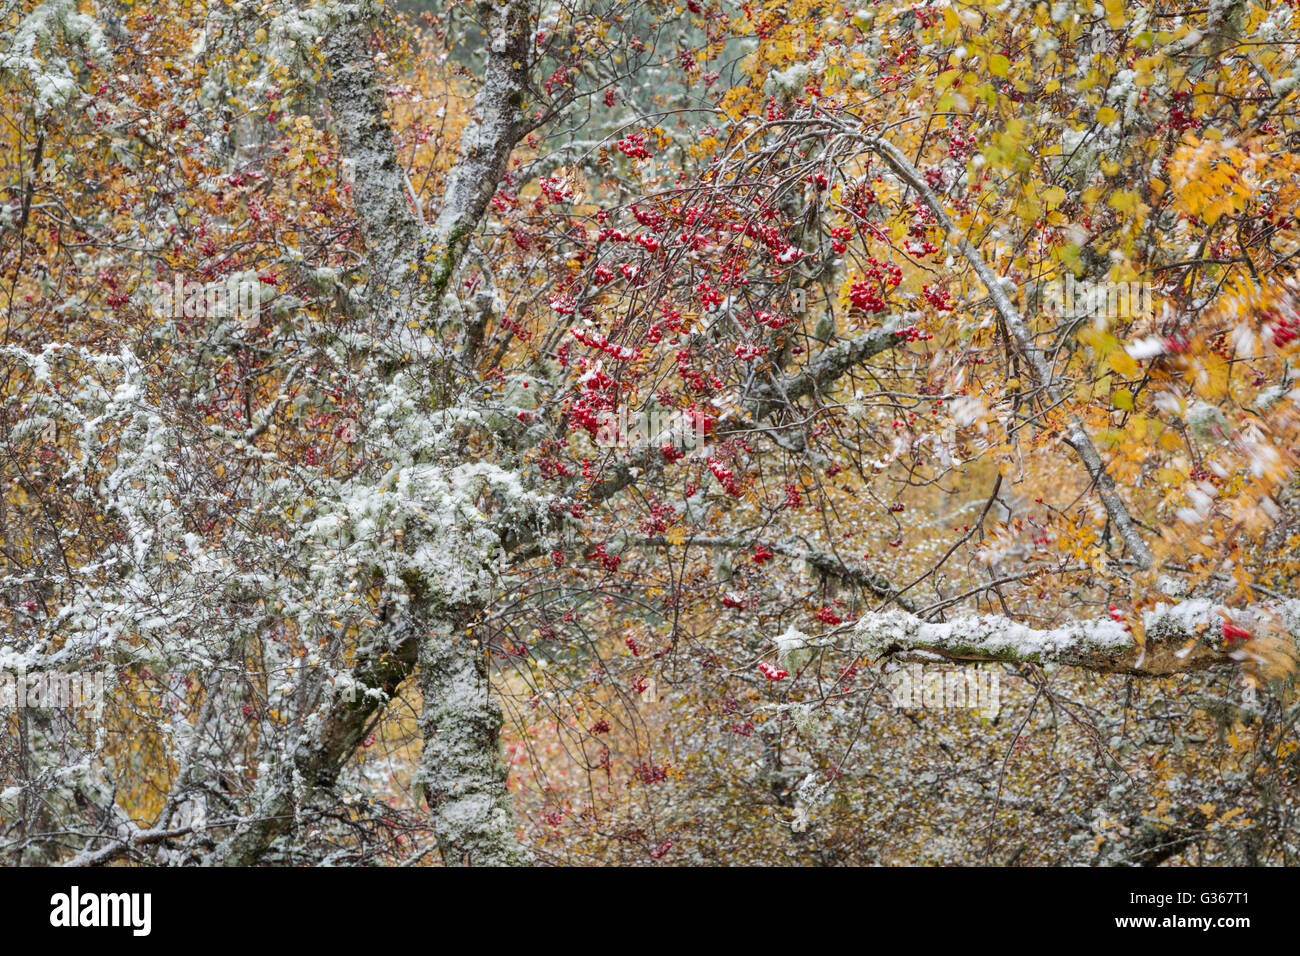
961	333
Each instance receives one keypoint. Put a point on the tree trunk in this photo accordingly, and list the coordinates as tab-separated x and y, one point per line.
461	768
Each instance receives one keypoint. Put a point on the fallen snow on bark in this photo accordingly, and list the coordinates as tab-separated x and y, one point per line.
992	635
998	637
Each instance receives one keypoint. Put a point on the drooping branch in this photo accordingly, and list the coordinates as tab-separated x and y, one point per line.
828	565
762	403
1077	437
1181	638
823	562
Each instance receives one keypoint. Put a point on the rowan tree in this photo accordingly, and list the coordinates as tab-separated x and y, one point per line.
844	261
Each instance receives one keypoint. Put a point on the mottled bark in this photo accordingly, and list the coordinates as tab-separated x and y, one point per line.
1181	638
491	135
316	765
389	226
399	242
461	769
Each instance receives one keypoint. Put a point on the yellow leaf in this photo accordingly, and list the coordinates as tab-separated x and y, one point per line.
1123	363
1125	201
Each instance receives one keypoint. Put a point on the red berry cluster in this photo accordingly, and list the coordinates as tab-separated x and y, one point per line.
660	517
554	189
937	298
840	236
563	303
771	320
1282	329
609	562
671	322
912	334
559	78
709	296
649	218
868	293
696	380
598	396
725	477
633	145
591	340
827	616
772	673
770	236
649	773
864	297
1180	112
960	142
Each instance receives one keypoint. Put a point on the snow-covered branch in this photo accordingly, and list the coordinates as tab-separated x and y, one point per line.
1179	638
